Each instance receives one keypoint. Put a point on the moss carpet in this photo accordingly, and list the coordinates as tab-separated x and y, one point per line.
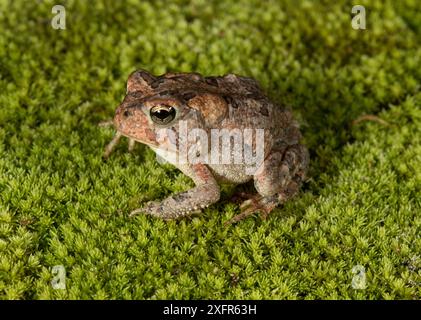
61	204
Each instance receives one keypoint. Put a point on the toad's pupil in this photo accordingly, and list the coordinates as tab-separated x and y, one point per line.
162	114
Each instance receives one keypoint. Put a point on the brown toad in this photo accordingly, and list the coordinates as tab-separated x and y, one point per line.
215	130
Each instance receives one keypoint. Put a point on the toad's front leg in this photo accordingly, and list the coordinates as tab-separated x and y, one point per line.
185	203
113	143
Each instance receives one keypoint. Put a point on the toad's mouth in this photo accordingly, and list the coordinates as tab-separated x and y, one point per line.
149	142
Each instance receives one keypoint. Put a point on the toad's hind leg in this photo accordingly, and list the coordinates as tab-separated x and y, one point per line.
278	180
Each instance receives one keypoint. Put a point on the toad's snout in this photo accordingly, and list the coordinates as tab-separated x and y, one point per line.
132	122
121	115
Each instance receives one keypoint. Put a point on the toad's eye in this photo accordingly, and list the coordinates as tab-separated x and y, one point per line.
162	114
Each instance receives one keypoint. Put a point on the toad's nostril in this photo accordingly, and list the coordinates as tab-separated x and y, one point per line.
127	113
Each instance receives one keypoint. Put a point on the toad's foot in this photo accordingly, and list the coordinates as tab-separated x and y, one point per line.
256	204
188	202
152	208
162	210
113	143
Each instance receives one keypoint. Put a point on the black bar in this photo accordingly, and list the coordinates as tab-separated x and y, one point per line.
208	309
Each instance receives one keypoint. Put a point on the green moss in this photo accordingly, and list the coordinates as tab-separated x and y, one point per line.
61	204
